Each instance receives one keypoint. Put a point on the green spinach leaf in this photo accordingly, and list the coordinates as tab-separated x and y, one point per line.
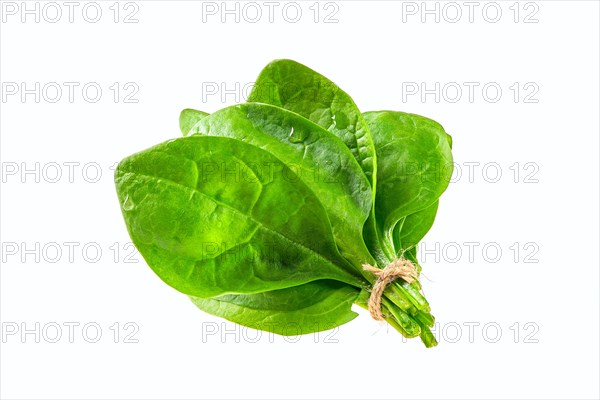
210	221
414	164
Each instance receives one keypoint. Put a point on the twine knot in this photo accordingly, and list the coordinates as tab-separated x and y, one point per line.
399	268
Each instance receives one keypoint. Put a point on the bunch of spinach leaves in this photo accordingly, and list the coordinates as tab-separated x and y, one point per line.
264	212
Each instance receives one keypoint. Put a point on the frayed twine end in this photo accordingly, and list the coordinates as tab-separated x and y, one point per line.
399	268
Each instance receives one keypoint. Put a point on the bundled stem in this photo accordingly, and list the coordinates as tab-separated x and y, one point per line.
395	298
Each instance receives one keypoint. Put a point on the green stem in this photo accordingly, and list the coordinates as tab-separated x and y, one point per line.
427	336
394	316
425	318
411	293
409	325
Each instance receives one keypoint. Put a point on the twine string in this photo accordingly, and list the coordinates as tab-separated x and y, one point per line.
399	268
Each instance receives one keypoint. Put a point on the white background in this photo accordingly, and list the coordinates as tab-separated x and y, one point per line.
540	295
